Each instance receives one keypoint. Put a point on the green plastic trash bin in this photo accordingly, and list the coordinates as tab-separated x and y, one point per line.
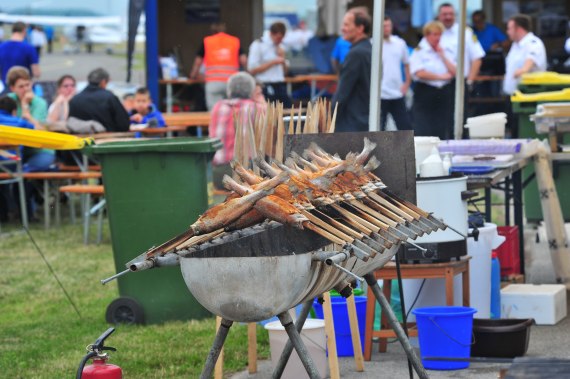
154	190
523	106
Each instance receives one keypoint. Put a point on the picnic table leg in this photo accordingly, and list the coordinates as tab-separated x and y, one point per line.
86	217
22	191
169	98
57	206
46	204
199	131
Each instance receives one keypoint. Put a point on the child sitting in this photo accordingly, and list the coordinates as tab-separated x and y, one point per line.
144	111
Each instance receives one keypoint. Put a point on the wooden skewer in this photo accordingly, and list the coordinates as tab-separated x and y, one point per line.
320	223
341	226
397	204
280	133
361	206
381	201
333	122
323	233
385	211
299	129
291	121
350	216
199	239
368	218
408	204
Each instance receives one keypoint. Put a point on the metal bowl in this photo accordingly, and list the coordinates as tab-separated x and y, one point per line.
248	289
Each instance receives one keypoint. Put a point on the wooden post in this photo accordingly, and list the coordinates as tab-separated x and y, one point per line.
331	343
219	369
355	333
252	347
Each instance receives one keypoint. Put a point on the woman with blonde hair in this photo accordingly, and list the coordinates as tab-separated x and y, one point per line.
433	71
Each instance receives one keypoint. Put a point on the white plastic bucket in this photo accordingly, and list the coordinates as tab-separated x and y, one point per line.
423	146
313	335
480	268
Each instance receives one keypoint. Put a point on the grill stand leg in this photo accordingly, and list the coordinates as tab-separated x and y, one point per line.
288	349
387	309
216	348
299	345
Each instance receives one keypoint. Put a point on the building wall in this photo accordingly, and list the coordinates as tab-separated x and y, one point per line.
243	18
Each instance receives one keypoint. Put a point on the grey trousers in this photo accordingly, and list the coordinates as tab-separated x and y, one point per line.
215	91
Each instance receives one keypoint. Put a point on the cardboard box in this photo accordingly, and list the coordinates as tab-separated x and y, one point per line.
546	303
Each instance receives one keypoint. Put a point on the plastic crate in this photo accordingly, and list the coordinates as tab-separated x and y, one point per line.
508	252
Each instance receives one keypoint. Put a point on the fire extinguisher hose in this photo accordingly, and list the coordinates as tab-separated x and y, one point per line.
88	356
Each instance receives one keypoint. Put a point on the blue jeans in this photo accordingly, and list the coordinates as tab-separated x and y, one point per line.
40	161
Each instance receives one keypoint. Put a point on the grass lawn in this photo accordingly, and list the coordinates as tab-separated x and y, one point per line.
41	336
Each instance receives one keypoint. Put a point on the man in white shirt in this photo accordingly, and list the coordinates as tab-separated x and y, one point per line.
473	50
394	88
527	53
267	63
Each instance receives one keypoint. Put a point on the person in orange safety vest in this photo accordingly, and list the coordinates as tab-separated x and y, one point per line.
222	56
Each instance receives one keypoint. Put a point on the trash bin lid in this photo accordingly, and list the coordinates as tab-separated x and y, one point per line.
562	95
547	77
162	145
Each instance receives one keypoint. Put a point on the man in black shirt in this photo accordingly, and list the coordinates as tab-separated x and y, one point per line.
353	90
97	103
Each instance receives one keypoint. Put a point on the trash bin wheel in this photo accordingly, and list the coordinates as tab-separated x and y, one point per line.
125	310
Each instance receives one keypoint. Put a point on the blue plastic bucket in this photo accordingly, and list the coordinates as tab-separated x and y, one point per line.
341	324
445	332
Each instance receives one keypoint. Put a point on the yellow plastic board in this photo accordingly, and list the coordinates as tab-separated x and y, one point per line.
536	78
562	95
10	135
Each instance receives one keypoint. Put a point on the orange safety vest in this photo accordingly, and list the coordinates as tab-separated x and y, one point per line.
221	57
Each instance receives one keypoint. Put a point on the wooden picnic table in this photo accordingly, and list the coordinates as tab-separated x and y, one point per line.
180	121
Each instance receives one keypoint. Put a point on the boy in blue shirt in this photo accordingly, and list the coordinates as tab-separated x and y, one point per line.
8	109
144	111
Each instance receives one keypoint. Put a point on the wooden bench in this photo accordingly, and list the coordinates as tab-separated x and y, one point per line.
88	210
74	168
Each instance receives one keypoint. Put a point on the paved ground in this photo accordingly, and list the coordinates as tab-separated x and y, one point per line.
79	65
545	341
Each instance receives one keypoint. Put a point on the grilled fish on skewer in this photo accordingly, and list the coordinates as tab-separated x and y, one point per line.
219	216
273	207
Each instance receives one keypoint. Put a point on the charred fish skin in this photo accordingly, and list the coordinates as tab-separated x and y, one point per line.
226	213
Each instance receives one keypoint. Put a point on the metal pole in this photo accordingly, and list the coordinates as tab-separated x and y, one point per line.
459	73
216	348
376	65
299	345
405	321
288	349
385	304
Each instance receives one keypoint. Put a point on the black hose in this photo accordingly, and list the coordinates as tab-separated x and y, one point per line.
89	355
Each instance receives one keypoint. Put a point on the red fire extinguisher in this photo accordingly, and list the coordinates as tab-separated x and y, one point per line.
100	369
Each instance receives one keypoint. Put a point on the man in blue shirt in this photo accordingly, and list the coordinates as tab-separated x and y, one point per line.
17	52
339	53
490	37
